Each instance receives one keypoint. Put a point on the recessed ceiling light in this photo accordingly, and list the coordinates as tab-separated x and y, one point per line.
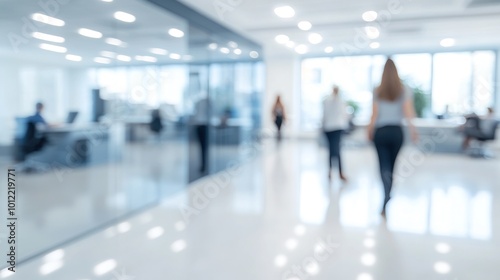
105	267
315	38
47	37
224	50
115	42
448	42
304	25
301	49
369	16
284	12
73	57
125	17
254	54
177	33
158	51
102	60
237	51
329	49
290	44
368	259
54	255
146	58
282	39
107	1
175	56
47	19
372	32
53	48
232	44
108	54
375	45
212	46
90	33
365	276
124	58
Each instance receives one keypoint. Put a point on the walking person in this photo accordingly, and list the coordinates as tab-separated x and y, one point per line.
279	115
334	123
392	102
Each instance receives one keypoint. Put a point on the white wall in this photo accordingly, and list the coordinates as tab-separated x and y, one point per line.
22	84
283	76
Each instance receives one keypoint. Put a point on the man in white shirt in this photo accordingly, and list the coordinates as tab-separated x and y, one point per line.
334	122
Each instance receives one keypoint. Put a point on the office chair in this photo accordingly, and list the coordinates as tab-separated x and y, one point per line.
31	143
487	133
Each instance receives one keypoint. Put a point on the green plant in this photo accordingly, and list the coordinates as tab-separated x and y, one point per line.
354	105
419	101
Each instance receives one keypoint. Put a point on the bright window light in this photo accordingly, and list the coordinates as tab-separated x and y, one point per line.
284	12
47	37
53	48
369	16
73	57
177	33
90	33
125	17
304	25
47	19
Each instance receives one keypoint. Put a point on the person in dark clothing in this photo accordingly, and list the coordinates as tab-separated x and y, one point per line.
156	124
392	103
279	115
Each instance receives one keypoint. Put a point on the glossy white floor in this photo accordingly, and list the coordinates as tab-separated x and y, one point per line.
276	216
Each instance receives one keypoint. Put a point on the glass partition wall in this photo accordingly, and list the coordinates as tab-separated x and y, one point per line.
121	98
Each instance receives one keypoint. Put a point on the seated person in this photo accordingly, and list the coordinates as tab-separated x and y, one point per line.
37	118
473	128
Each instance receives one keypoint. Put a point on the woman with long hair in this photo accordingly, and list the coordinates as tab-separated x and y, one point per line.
392	102
279	114
334	123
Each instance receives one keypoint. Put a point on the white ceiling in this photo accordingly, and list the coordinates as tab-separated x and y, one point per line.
410	26
149	30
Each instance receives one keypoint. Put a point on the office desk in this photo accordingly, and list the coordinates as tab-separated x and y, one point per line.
442	136
74	145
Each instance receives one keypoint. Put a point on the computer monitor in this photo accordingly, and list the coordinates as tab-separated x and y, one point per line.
71	117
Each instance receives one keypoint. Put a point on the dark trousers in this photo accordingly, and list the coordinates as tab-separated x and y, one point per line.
388	141
334	147
202	135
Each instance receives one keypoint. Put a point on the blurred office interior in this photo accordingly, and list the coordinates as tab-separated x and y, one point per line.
152	102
